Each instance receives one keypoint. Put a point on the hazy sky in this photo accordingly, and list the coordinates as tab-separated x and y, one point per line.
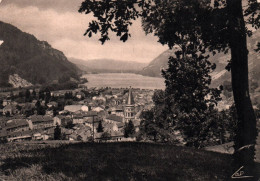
59	23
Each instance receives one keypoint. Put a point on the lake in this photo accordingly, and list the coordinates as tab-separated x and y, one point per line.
124	80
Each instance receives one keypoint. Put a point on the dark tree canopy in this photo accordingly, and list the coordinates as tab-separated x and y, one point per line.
167	19
188	94
129	129
100	127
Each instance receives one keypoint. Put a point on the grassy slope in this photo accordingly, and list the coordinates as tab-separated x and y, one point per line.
111	161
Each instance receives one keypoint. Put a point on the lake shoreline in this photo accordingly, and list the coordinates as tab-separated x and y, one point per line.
124	80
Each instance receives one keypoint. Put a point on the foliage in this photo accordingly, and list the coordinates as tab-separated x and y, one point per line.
3	140
47	95
34	94
57	132
90	139
258	47
148	126
41	110
106	136
79	138
129	129
27	95
69	125
100	127
188	96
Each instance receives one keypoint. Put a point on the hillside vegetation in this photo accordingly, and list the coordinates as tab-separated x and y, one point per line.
111	161
33	60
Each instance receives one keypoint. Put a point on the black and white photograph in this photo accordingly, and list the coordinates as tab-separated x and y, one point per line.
129	90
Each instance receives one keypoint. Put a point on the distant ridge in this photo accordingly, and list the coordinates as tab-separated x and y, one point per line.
33	60
108	65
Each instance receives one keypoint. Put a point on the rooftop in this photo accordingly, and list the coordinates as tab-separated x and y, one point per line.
114	117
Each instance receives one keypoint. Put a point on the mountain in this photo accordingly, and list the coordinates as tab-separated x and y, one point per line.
33	60
108	65
220	74
155	66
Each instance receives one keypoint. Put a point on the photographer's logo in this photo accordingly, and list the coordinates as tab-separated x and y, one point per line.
240	174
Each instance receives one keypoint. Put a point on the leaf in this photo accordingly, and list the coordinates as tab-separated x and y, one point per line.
228	67
124	37
90	34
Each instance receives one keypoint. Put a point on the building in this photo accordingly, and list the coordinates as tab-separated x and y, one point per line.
6	102
113	119
41	122
52	104
19	136
17	125
129	112
80	95
118	110
76	108
11	109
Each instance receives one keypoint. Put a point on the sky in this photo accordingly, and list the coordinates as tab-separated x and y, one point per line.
59	23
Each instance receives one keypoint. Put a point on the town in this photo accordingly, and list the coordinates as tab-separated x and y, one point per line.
81	114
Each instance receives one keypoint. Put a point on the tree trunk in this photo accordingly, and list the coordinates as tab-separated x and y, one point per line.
246	132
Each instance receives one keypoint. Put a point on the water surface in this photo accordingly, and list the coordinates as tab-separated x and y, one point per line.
123	80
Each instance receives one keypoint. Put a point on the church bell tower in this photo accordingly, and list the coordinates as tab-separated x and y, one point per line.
129	112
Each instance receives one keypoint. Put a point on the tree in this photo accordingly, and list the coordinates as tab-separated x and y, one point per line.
37	104
129	129
34	94
40	109
105	136
57	133
27	95
47	95
7	114
21	95
3	140
148	126
220	28
188	95
41	95
12	95
126	132
79	138
100	127
55	112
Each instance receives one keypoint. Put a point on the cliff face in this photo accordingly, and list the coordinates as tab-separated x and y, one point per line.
33	60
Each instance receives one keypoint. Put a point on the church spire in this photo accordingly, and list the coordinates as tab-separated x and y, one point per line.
130	99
